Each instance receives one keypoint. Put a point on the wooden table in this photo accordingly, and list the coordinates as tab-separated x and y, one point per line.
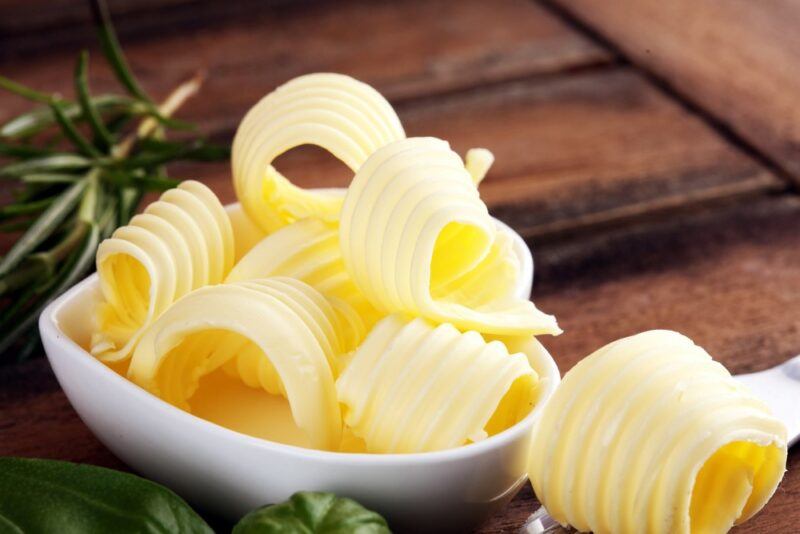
648	150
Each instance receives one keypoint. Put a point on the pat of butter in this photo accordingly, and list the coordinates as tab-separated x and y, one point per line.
416	238
181	242
415	387
649	434
289	329
308	250
346	117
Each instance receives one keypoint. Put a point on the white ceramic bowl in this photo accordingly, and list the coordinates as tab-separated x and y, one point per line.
230	473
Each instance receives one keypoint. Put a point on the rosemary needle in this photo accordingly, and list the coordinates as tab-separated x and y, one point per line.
78	170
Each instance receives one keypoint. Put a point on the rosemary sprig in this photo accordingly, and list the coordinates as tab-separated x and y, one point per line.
79	169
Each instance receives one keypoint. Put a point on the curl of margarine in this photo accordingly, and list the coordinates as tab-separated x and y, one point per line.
181	242
346	117
416	238
287	324
308	250
415	387
649	434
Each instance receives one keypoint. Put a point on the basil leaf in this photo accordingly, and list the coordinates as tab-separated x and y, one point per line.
43	496
309	512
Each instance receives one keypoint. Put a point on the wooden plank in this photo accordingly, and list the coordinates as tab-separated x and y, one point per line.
727	278
739	60
33	27
416	48
574	152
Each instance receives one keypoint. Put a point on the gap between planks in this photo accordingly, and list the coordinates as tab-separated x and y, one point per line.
666	87
652	209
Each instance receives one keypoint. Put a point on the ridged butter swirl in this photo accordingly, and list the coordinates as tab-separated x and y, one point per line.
413	386
416	238
649	434
181	242
346	117
289	327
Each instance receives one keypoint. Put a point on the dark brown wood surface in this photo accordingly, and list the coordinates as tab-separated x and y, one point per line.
646	207
737	59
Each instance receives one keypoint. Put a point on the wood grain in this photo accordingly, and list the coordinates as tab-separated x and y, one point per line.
575	150
416	48
37	27
739	60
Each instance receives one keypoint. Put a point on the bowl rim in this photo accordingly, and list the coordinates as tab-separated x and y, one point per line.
67	348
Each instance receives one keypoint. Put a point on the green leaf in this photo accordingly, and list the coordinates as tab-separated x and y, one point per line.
23	91
107	222
23	151
78	265
171	122
155	152
113	50
70	131
197	150
35	121
157	183
24	208
43	227
50	178
89	111
46	164
119	121
129	198
42	496
313	513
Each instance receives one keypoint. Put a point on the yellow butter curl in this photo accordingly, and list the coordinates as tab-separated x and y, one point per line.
415	387
308	250
649	434
286	323
181	242
346	117
416	238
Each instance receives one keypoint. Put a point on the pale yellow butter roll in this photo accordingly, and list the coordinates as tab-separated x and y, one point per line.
416	238
289	325
649	434
346	117
415	387
181	242
308	250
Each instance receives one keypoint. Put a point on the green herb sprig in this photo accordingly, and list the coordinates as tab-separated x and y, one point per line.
78	169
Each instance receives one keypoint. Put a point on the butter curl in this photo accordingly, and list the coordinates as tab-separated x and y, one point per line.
308	250
181	242
287	324
649	434
415	387
346	117
416	238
